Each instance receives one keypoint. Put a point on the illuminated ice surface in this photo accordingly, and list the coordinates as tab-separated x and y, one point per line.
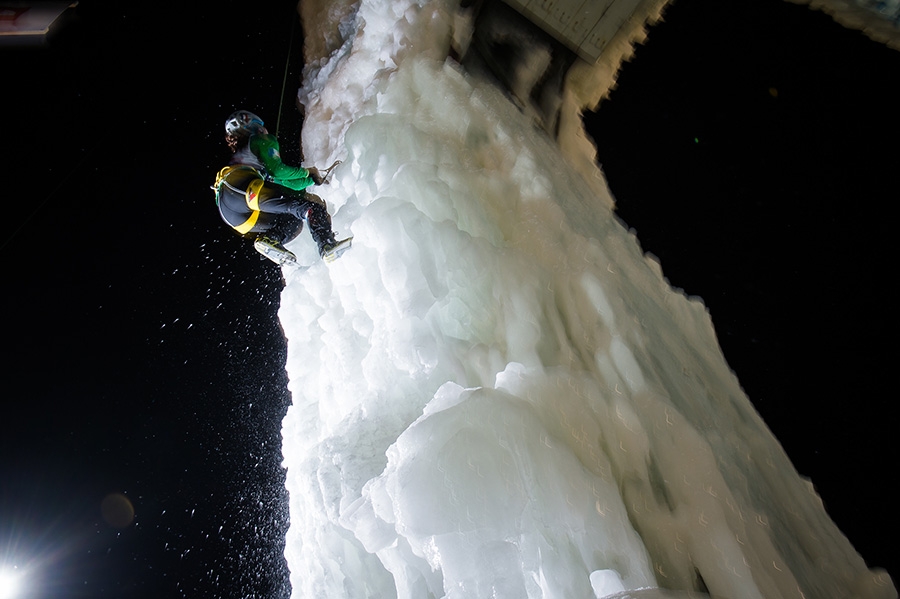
495	393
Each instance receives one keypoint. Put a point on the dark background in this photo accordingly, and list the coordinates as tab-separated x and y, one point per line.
143	351
750	145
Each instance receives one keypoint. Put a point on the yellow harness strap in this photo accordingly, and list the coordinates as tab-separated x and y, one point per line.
251	195
220	178
247	225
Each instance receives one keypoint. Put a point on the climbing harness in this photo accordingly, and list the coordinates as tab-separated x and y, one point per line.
222	175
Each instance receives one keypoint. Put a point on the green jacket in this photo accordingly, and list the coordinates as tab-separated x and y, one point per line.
265	147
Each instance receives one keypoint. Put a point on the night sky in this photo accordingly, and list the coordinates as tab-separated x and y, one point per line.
745	144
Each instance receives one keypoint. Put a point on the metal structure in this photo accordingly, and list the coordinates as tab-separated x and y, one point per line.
584	26
29	22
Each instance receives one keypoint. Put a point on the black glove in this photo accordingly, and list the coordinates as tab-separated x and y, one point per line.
316	177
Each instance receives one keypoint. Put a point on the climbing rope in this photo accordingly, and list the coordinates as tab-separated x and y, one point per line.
287	63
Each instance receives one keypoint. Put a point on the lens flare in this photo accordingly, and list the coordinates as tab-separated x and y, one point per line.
9	583
117	510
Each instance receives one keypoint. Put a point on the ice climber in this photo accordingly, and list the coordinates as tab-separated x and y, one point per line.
261	197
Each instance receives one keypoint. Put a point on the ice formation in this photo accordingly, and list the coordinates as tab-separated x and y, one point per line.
495	392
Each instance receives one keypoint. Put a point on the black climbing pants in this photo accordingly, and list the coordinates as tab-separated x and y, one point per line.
255	207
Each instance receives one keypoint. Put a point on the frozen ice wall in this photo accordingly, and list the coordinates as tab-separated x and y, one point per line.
495	393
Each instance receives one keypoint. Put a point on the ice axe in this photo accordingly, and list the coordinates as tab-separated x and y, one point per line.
321	177
329	169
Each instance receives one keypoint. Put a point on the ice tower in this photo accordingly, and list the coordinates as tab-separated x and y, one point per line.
495	392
